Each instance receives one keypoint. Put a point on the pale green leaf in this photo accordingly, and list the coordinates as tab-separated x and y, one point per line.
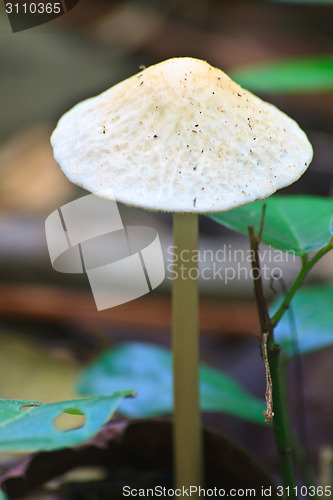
28	426
148	369
312	308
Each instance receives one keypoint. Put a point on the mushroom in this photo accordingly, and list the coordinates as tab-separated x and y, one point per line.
181	137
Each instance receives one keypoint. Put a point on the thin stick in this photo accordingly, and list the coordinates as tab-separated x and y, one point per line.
275	402
269	385
187	423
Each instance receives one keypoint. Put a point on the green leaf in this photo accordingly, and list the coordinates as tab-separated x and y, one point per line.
297	224
148	369
2	495
28	426
311	74
312	308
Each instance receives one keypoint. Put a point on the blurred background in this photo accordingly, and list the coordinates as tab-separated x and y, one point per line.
280	50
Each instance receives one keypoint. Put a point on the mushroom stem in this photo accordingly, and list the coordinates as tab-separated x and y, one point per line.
187	417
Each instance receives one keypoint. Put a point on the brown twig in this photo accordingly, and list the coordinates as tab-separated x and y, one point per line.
275	403
265	322
269	386
258	286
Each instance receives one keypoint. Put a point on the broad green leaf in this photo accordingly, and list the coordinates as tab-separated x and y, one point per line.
28	426
148	369
297	224
312	308
311	74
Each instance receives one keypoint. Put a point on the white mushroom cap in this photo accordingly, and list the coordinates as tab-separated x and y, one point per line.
180	136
